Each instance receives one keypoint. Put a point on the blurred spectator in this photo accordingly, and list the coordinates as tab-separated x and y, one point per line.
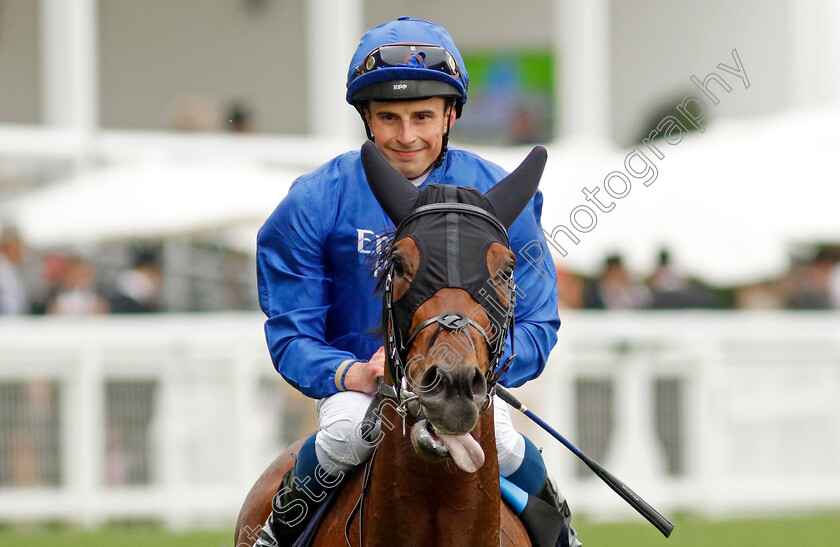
664	278
239	119
139	289
614	289
524	126
569	289
809	286
29	433
13	297
197	113
765	295
670	290
54	266
28	407
78	293
834	285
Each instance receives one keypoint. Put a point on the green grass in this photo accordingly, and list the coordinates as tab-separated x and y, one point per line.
115	537
811	531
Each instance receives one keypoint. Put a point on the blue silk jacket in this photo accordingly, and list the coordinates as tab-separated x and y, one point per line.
316	261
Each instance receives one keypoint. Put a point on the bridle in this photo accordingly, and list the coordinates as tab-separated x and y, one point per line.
397	343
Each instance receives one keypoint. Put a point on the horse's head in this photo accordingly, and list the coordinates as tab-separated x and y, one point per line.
448	298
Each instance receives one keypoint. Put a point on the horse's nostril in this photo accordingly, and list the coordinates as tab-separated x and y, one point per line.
432	381
479	383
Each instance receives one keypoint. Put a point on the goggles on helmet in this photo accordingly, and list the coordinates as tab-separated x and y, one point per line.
427	56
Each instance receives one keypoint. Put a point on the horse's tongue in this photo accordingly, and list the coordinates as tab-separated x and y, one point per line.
465	451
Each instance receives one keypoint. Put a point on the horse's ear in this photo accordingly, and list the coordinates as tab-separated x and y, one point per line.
392	190
510	195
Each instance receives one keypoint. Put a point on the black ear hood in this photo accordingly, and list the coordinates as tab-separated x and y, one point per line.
392	190
510	196
453	228
397	195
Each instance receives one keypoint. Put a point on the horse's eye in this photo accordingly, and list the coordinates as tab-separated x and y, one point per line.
399	269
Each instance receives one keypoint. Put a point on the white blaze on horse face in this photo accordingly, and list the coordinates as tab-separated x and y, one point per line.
450	349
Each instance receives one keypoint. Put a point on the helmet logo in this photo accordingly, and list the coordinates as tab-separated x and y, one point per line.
400	86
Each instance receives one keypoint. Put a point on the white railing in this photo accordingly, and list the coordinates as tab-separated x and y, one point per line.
173	417
715	413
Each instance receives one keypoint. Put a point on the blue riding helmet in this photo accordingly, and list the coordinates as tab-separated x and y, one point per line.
407	59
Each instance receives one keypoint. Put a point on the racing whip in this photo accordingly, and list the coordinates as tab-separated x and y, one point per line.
644	508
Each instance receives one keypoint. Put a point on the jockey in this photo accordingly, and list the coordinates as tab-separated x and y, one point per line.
316	258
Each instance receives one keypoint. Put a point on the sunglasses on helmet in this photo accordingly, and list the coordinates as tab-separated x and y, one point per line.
399	55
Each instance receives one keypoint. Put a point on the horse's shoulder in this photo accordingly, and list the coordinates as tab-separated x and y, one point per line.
257	505
511	531
332	529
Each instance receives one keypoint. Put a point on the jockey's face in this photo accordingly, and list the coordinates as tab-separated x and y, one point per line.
410	133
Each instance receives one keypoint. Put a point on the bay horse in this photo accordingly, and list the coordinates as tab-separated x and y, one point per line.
448	307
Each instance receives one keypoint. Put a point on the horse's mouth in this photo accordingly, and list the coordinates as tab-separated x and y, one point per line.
434	447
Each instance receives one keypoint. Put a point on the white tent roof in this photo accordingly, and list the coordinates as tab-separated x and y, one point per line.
148	200
728	203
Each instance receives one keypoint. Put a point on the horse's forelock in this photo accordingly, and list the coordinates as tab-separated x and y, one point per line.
381	261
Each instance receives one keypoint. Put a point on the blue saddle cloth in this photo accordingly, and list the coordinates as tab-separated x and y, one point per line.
544	523
308	535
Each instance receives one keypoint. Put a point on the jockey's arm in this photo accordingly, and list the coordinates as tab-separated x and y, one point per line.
293	286
536	313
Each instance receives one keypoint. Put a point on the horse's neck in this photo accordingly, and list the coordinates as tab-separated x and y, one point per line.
412	502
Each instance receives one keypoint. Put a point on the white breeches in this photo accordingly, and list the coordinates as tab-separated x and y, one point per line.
338	441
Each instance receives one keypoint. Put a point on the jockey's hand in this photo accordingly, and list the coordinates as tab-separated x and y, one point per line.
361	376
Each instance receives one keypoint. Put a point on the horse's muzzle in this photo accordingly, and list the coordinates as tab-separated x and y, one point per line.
452	397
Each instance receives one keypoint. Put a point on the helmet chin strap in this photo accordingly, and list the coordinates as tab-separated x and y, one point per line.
361	112
445	140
